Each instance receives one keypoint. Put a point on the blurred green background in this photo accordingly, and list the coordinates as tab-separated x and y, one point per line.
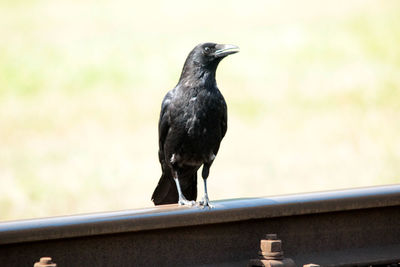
313	98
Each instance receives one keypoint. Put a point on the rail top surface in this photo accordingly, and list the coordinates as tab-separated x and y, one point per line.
169	216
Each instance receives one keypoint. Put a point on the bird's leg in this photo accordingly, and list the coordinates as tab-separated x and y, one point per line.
205	202
182	200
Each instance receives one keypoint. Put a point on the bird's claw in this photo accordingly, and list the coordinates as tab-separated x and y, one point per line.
205	203
185	202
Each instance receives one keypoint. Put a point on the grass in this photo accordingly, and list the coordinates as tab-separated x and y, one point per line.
313	98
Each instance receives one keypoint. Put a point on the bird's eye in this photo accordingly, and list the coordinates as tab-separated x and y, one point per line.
206	49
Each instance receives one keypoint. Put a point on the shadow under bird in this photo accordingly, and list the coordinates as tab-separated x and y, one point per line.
193	121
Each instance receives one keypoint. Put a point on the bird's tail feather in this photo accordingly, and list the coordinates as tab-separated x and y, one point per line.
166	192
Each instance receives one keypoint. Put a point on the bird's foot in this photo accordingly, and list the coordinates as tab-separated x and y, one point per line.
205	203
185	202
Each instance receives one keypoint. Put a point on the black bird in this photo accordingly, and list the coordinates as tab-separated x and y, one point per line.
193	121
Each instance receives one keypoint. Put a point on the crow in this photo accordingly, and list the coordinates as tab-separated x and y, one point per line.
192	123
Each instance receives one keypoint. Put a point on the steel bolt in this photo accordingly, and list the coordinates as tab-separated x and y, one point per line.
271	236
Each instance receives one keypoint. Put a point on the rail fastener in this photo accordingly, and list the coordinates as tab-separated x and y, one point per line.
271	254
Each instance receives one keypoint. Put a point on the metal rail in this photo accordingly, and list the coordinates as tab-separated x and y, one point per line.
336	228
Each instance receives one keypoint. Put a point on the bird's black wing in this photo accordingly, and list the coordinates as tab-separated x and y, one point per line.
163	126
165	192
223	124
224	120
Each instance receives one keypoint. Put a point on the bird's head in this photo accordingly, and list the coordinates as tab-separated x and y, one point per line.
210	53
207	56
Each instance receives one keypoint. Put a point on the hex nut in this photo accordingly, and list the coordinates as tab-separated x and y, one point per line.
45	262
271	245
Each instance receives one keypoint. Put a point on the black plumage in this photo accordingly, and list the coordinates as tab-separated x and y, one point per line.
193	121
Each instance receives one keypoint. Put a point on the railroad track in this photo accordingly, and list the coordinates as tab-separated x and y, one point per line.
355	227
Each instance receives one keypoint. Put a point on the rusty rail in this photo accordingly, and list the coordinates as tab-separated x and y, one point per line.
335	228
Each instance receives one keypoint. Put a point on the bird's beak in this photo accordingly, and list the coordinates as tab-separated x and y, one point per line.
225	49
